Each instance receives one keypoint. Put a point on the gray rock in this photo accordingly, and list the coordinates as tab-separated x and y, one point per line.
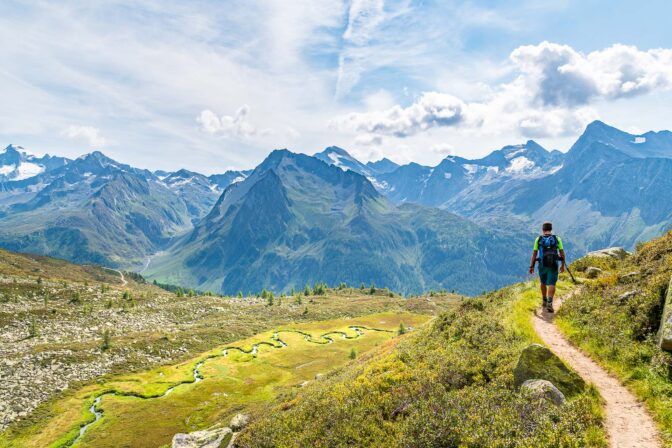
628	295
665	332
629	276
544	389
611	252
538	362
593	272
202	439
239	421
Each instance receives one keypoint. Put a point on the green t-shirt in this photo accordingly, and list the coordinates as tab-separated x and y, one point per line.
536	243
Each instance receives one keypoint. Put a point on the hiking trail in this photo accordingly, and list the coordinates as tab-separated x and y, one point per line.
627	422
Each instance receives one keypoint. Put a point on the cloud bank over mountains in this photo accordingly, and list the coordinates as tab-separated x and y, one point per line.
550	95
387	78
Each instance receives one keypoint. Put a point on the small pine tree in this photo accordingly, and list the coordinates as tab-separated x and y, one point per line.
402	329
240	294
105	345
305	311
353	353
32	328
191	293
342	286
126	295
76	298
372	289
298	300
179	292
307	291
269	300
362	287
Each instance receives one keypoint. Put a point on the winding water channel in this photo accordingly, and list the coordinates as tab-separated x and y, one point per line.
276	342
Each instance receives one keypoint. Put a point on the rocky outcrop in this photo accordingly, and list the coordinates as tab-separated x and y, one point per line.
665	332
543	389
626	296
593	272
611	252
538	362
239	421
214	438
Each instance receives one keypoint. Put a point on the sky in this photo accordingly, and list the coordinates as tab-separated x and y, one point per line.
217	85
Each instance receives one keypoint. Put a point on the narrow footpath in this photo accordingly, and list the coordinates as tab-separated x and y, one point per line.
627	422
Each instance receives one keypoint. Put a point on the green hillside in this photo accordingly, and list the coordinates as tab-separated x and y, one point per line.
616	319
449	385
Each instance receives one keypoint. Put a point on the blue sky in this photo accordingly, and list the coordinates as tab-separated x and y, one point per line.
216	85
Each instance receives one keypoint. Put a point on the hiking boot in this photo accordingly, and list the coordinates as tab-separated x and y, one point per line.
545	303
549	305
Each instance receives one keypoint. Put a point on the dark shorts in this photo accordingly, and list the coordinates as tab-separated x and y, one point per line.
548	276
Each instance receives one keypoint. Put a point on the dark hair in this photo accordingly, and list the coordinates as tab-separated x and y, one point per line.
547	226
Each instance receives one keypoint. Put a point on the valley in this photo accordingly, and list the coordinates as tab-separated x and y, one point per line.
410	227
149	408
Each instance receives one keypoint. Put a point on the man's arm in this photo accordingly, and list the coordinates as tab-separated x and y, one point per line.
562	260
533	261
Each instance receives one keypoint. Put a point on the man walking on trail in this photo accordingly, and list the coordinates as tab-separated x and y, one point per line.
548	251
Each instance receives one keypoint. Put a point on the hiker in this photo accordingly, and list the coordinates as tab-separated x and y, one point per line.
548	251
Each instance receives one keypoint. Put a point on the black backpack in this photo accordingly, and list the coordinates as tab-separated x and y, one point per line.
548	251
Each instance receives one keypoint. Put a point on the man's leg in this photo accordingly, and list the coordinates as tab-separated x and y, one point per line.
553	278
551	292
543	293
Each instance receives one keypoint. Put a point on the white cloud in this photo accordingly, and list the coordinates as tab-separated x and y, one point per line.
233	126
551	95
431	110
443	149
561	76
87	134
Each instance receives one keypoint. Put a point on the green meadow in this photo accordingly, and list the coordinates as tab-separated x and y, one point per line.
136	411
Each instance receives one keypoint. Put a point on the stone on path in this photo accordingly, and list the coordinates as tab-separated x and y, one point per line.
538	362
544	389
665	332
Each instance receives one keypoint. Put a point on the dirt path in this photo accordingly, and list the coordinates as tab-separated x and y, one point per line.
124	282
627	422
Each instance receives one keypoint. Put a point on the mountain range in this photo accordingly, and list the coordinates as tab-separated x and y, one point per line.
296	219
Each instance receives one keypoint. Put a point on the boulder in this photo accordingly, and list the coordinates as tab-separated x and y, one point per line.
593	272
630	276
239	421
538	362
628	295
665	331
542	389
202	439
611	252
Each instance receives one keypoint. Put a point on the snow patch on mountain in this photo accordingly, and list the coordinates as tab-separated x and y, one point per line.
639	140
520	165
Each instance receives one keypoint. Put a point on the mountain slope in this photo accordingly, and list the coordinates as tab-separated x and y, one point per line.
91	210
17	164
297	220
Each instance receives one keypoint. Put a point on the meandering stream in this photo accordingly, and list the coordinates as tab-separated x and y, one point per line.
276	342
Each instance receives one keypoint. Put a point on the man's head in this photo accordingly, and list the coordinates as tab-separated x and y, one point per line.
547	227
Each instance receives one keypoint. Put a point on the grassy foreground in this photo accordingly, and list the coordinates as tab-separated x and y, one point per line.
448	385
615	318
139	416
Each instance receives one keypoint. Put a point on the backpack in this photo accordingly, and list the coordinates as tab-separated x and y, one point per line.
548	251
